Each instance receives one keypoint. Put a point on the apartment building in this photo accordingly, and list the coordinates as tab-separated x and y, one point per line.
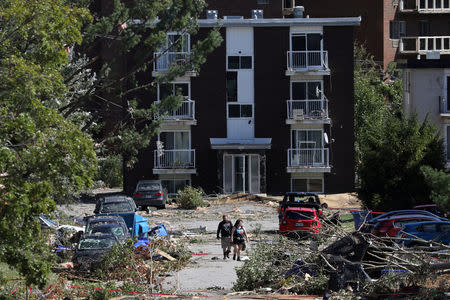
271	110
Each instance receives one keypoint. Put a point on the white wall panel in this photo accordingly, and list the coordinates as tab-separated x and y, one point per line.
239	40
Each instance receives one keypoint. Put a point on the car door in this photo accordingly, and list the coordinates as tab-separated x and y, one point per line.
444	234
430	231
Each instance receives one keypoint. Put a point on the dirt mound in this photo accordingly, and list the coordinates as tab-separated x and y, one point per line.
344	200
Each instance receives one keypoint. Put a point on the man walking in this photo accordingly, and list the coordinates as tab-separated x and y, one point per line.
224	229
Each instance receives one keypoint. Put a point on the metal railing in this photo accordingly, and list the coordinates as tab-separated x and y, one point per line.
185	112
307	109
425	6
314	157
174	159
307	60
163	61
422	44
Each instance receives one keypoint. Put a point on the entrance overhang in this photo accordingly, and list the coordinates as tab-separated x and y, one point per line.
240	144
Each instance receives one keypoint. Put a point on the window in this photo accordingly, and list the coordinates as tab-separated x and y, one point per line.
262	2
429	228
173	140
397	29
240	110
306	42
307	185
239	62
178	42
306	90
424	28
231	86
307	139
445	228
174	185
169	89
448	93
448	142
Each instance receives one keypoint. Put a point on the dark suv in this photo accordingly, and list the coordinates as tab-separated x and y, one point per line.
114	204
150	193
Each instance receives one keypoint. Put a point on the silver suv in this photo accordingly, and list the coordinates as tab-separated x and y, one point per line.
150	193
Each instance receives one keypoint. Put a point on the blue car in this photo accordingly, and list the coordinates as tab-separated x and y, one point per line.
434	231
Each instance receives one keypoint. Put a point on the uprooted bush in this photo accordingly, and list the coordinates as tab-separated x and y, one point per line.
124	263
190	198
273	265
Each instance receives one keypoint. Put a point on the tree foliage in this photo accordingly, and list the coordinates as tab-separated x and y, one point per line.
120	101
439	183
390	147
43	156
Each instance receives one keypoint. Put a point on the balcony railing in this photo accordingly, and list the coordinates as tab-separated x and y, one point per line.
185	112
174	159
423	44
425	6
307	109
163	61
315	157
307	60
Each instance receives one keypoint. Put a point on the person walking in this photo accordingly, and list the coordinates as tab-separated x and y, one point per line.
238	238
224	229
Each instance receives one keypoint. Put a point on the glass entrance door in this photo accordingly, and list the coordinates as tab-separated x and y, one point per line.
241	173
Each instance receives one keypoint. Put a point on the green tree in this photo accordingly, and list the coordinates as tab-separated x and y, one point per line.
439	183
390	148
390	176
43	156
119	102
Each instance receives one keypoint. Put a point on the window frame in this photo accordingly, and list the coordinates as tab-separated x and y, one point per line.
173	83
307	183
172	33
240	111
293	131
173	130
306	81
397	29
240	62
305	34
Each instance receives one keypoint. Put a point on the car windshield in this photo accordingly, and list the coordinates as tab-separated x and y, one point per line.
302	199
96	243
116	207
148	187
300	215
116	229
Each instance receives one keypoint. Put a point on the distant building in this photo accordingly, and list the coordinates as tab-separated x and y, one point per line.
271	110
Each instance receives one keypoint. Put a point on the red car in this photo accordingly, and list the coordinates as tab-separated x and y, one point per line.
390	226
300	219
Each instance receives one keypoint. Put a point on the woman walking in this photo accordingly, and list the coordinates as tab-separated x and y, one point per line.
238	238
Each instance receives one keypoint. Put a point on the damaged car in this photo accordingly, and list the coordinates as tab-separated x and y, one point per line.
91	250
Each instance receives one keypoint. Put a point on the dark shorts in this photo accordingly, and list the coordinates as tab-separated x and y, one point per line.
238	242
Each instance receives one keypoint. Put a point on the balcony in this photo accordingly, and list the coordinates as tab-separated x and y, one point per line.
313	62
425	6
444	107
424	44
163	61
308	160
307	111
179	161
185	114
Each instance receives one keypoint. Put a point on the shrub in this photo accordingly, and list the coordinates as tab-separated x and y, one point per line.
190	198
110	171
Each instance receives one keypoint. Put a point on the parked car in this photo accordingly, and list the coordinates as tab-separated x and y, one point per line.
104	220
116	229
390	226
306	200
300	220
150	193
436	231
91	250
114	204
369	224
432	208
125	208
